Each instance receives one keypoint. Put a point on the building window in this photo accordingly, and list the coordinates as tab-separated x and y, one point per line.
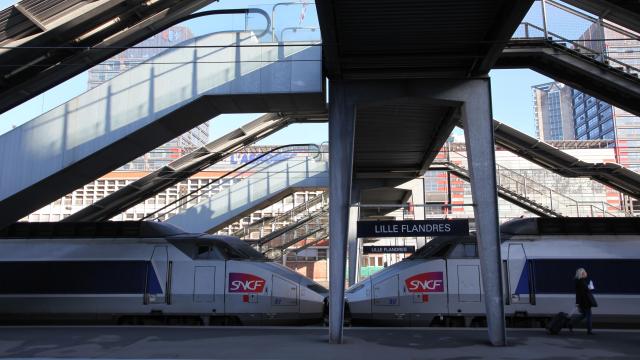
609	136
582	130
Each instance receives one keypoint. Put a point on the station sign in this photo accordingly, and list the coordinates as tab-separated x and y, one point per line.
388	249
410	228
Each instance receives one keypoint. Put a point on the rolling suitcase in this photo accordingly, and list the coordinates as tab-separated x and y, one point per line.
558	321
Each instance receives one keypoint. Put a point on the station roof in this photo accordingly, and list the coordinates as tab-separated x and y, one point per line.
29	17
415	38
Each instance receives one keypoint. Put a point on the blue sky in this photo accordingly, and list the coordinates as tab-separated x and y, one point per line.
511	89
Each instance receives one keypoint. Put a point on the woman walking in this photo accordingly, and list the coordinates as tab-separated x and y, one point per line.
584	298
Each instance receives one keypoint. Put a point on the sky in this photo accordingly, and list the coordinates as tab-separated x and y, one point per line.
511	89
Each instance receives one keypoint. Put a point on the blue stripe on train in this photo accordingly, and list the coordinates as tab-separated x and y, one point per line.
78	277
556	276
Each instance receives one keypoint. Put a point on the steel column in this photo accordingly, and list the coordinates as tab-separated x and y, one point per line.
341	140
544	19
478	131
353	245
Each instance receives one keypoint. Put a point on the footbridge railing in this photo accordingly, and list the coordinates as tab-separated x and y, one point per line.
258	165
583	33
532	193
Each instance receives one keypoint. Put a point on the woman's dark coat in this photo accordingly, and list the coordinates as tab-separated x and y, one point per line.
584	297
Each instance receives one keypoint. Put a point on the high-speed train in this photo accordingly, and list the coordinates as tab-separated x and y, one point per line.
441	284
134	272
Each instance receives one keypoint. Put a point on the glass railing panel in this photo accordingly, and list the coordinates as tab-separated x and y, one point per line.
263	173
533	191
583	32
267	226
307	230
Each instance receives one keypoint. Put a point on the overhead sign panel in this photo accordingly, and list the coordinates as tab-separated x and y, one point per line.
409	228
388	249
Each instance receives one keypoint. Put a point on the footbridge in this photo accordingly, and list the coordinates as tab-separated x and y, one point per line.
612	175
189	165
264	184
47	42
525	192
622	12
149	105
295	230
610	80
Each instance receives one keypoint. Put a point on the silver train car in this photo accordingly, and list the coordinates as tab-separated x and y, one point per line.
440	285
139	272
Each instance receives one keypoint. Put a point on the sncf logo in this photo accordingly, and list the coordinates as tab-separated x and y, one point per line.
245	283
425	282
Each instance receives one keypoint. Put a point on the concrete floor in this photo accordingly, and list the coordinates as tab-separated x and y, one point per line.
307	343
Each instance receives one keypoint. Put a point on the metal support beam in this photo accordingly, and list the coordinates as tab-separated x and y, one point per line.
353	244
478	125
30	16
510	15
341	140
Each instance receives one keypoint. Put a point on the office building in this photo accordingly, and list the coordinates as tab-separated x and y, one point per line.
553	110
596	119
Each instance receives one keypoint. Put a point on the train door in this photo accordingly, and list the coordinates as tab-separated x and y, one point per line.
386	299
518	278
204	284
208	281
285	296
157	277
465	285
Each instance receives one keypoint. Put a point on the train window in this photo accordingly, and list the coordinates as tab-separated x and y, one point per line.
462	251
216	253
230	253
435	248
206	252
203	252
442	251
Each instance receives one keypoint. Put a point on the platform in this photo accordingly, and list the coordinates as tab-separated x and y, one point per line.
308	343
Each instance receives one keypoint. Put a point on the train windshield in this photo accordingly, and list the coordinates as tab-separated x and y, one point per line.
431	249
437	248
239	250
